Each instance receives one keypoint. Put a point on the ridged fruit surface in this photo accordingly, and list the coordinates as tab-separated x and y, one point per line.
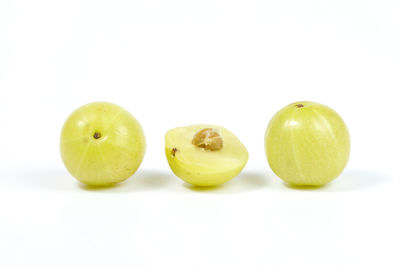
307	143
102	144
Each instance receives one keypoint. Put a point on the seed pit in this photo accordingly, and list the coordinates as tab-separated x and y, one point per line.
208	138
97	135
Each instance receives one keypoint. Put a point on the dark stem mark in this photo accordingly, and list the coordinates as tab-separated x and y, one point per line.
97	135
299	105
173	151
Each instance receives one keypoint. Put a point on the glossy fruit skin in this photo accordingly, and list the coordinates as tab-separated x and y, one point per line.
204	168
102	144
307	143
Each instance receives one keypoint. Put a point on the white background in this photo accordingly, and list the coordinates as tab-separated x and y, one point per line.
174	63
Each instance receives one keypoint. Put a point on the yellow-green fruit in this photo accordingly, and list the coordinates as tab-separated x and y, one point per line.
102	144
205	155
307	144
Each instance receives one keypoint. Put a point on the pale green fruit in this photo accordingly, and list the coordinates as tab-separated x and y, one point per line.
102	144
307	144
204	155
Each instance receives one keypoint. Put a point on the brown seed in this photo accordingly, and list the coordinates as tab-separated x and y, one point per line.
208	138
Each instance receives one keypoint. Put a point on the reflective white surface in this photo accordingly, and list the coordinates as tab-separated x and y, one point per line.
175	63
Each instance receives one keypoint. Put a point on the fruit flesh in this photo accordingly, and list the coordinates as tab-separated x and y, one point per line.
204	167
307	144
102	144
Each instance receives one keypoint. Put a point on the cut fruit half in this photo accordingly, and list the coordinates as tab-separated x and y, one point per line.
205	155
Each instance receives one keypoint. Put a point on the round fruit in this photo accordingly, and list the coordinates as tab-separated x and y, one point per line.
307	144
205	155
102	144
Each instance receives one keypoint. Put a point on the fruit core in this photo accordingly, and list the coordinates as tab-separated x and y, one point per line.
208	138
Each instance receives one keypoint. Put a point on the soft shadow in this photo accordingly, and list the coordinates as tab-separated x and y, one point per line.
352	180
100	187
141	181
245	182
61	180
304	187
148	180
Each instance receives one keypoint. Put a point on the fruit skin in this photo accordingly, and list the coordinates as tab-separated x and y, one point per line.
102	144
307	143
201	167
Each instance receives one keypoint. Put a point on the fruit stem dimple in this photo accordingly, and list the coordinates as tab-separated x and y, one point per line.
209	139
97	135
